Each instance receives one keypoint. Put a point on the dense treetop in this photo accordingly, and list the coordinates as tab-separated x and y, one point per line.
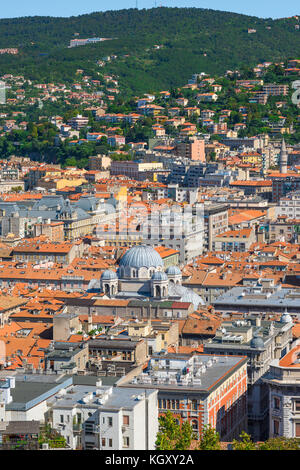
193	40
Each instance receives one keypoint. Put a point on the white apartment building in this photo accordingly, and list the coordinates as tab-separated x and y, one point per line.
106	418
289	206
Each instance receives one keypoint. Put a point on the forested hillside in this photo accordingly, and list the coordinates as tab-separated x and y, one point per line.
192	40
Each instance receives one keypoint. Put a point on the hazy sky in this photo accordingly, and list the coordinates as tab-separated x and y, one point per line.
261	8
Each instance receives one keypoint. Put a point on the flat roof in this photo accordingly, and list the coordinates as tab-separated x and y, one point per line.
32	389
217	370
116	398
255	296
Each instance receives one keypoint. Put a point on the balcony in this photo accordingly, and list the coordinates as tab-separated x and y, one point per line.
77	427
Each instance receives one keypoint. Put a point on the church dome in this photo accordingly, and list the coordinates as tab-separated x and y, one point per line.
257	342
173	271
108	275
141	256
159	276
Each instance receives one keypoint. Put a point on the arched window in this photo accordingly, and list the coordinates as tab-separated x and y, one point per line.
157	291
106	288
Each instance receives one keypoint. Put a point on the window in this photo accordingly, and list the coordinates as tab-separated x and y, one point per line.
125	441
276	427
125	420
103	442
110	442
297	426
194	405
276	403
297	405
110	421
61	418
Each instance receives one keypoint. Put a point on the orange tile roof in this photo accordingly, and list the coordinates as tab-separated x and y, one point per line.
291	358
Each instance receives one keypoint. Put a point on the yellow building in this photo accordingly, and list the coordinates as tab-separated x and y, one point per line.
251	157
60	183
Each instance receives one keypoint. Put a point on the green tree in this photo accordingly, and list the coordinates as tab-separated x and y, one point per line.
186	435
210	439
168	432
172	436
280	443
245	442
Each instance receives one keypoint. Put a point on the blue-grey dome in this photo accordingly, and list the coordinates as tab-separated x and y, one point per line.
159	276
186	295
173	271
108	275
257	342
141	256
286	318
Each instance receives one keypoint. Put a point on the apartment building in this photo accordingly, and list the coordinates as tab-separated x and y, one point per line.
66	357
158	334
136	170
78	122
53	231
235	240
24	397
116	353
261	188
215	222
106	418
282	184
264	296
261	341
284	228
275	90
203	389
284	395
289	205
38	251
99	162
172	191
260	97
193	149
